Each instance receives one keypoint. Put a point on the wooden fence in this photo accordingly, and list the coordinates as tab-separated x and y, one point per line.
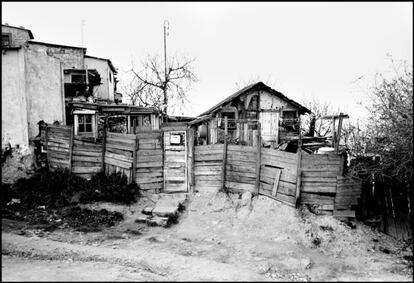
290	178
149	165
59	142
139	157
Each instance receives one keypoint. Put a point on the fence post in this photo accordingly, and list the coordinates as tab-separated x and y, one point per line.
190	159
299	168
104	144
70	149
134	158
223	176
258	156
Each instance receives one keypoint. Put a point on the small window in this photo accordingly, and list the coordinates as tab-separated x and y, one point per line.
85	124
5	40
110	77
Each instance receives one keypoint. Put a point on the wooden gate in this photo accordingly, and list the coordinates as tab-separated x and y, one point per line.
149	165
175	161
59	139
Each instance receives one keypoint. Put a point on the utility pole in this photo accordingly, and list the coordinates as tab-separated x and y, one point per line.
166	28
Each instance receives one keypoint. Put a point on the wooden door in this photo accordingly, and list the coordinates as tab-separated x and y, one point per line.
175	161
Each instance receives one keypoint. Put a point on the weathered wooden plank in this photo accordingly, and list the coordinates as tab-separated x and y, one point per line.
276	182
284	188
120	157
58	143
117	146
121	136
150	164
208	177
77	152
247	159
286	198
86	158
317	189
277	163
241	174
57	148
210	157
60	161
148	180
126	153
82	170
242	148
149	152
151	186
117	162
148	158
149	146
315	179
306	173
279	153
209	147
207	172
85	164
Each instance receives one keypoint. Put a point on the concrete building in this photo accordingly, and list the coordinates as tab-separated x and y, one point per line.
31	84
106	90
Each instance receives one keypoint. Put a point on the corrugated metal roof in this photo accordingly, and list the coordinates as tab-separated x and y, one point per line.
257	86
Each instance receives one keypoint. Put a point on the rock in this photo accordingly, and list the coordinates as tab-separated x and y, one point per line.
147	210
142	219
246	198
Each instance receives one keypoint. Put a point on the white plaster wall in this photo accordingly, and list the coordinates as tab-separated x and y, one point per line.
13	107
44	81
106	89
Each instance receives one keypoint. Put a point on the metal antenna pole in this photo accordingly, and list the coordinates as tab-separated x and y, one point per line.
166	28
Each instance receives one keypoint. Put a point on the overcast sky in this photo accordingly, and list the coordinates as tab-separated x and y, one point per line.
300	49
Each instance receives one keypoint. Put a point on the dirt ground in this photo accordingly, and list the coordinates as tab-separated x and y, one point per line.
217	238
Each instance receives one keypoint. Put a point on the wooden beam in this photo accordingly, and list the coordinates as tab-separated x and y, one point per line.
134	159
258	157
70	149
223	177
299	168
276	182
104	143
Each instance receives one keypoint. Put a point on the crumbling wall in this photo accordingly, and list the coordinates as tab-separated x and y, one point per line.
18	164
70	57
18	36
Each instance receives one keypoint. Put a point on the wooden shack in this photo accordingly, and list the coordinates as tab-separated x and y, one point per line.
88	118
256	104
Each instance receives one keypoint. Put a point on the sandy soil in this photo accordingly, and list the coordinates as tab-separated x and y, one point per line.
217	238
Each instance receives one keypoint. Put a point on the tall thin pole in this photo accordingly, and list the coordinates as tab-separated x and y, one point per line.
166	28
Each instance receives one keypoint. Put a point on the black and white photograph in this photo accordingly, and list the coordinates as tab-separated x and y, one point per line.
207	141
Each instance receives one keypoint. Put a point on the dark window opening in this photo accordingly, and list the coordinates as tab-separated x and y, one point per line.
5	40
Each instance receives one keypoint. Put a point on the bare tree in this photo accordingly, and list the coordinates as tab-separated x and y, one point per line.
319	109
164	89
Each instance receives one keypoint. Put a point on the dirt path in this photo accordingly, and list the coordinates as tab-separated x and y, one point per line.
157	264
216	239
